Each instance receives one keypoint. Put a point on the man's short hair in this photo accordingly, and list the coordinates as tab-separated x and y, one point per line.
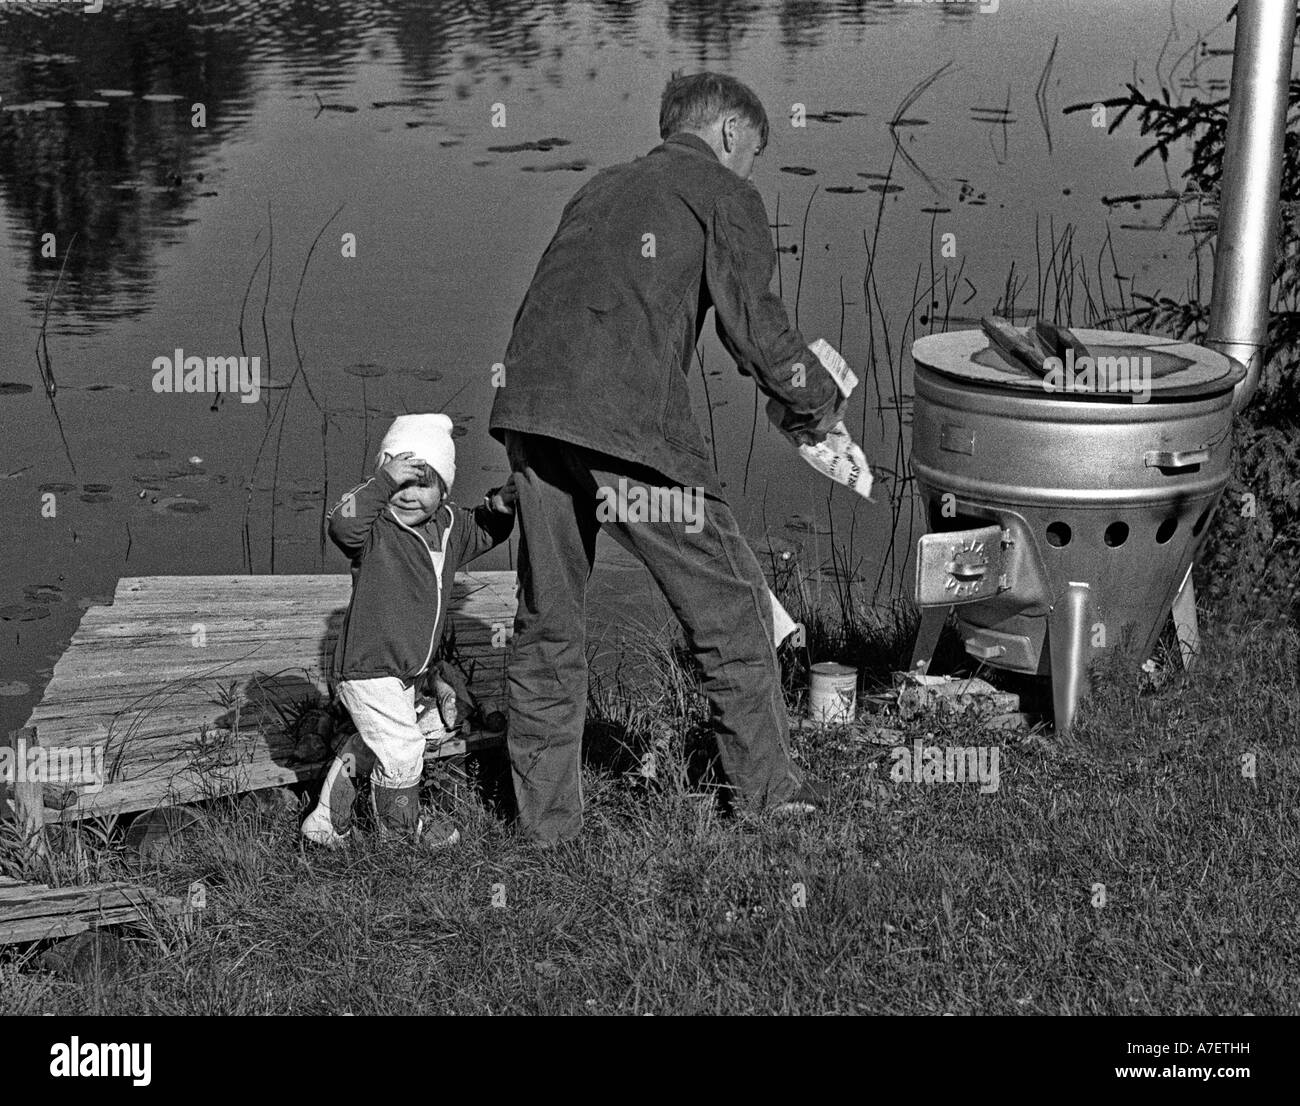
696	101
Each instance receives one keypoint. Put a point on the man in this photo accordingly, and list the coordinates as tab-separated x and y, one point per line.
595	392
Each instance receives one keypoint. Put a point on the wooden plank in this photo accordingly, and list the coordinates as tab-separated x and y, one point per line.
473	742
28	797
16	890
49	928
62	912
75	900
180	591
212	671
183	787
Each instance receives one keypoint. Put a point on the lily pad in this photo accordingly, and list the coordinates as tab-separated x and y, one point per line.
576	166
180	505
884	189
96	487
160	97
799	170
23	612
58	489
44	593
112	93
366	369
90	103
544	145
843	189
33	106
12	388
95	497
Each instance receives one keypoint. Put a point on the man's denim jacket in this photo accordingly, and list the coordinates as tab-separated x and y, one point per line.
604	339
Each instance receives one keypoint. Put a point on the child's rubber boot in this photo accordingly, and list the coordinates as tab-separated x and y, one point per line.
330	820
397	812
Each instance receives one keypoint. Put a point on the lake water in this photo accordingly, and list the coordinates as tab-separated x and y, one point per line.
375	119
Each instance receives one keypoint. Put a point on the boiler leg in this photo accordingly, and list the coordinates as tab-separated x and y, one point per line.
927	638
1184	613
1067	635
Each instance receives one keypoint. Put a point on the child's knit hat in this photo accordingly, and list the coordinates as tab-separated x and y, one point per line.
428	438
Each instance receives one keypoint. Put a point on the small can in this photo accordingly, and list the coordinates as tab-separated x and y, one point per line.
833	693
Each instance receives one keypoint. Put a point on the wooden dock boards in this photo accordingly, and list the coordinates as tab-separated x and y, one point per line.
37	912
180	681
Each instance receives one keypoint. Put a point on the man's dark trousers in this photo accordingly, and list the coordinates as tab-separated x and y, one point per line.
715	587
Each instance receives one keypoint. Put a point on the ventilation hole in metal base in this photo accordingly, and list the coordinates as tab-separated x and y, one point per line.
1166	530
1058	535
1116	534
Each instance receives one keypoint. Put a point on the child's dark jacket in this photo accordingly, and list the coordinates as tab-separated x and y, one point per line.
396	616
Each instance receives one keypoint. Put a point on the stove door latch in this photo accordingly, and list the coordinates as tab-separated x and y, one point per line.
962	566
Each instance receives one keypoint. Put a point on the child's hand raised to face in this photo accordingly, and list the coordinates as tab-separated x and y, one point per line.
404	469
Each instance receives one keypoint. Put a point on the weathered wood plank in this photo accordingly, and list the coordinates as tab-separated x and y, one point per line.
76	900
49	928
28	795
16	890
61	912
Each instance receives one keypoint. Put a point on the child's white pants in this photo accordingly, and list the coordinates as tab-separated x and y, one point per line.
383	712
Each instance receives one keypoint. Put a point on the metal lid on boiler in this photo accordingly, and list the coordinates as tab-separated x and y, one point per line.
1106	365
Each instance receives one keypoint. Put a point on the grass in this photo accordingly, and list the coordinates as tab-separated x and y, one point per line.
903	899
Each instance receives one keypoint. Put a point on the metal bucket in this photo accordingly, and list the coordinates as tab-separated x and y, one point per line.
833	693
1063	523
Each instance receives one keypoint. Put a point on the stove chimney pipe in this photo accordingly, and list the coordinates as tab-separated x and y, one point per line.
1249	187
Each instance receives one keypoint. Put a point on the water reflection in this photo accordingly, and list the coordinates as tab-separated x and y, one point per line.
84	153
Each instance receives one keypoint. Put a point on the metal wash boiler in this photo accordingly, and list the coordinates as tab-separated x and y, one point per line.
1064	516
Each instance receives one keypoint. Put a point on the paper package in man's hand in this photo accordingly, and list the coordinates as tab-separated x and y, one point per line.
837	456
840	458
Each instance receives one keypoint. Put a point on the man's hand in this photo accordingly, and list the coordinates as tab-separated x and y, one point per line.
503	500
403	469
816	433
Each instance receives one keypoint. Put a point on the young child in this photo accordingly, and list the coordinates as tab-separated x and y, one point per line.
405	542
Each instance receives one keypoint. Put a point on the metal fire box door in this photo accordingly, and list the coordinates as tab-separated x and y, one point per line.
962	566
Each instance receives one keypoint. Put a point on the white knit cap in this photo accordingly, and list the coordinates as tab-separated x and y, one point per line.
428	438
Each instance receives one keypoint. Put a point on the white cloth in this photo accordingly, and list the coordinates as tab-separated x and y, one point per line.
782	624
428	437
